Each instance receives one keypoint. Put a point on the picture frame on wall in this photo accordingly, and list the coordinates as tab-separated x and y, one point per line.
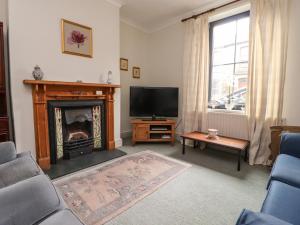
136	72
76	39
124	64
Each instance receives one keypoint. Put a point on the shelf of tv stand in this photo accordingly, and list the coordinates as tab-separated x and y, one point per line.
142	130
160	140
160	132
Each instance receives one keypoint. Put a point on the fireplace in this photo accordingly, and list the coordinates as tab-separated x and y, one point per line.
76	128
43	92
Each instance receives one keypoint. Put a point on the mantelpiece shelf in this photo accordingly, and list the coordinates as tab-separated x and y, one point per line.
75	95
77	84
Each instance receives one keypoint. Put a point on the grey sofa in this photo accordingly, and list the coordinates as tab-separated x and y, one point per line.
15	167
27	196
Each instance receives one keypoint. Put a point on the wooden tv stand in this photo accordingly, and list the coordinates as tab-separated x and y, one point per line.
153	131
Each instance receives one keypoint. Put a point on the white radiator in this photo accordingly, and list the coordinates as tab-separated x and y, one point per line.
229	124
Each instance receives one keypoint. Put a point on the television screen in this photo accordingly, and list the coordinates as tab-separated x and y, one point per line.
153	101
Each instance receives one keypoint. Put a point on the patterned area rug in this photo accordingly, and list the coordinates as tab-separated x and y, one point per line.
101	193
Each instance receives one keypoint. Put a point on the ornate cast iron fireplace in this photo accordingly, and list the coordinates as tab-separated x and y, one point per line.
76	128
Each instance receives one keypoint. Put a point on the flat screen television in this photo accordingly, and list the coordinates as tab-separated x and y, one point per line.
153	102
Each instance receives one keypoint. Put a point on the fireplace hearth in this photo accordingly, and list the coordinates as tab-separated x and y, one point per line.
76	128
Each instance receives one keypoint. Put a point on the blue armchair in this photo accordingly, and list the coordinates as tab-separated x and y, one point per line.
282	203
248	217
287	165
290	144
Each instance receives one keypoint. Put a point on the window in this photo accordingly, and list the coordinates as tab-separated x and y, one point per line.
229	49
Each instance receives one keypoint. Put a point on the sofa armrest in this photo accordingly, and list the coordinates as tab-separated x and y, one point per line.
28	154
29	201
248	217
7	152
23	154
290	144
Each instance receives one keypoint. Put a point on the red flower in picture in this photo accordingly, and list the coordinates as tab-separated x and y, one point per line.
76	37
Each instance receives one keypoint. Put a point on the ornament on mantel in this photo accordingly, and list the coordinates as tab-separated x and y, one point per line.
37	73
102	78
109	77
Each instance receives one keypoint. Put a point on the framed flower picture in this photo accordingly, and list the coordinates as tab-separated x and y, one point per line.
76	39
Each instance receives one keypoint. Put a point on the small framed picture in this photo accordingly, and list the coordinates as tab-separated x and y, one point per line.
76	39
136	72
123	64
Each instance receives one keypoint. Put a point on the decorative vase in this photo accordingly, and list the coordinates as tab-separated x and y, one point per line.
212	133
37	73
109	77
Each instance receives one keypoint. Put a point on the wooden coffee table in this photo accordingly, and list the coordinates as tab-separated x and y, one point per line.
236	144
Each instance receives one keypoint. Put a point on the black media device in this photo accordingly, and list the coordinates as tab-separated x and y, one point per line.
154	102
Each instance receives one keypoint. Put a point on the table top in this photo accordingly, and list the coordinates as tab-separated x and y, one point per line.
237	144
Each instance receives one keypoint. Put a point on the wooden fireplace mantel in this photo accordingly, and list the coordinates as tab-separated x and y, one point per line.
43	91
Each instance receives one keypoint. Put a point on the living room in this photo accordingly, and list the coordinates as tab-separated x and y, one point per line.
149	112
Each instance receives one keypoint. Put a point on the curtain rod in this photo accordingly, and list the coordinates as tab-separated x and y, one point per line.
210	10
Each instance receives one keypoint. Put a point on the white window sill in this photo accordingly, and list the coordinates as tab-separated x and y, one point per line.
225	111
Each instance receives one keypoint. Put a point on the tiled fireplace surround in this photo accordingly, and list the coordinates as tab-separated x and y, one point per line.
76	127
94	95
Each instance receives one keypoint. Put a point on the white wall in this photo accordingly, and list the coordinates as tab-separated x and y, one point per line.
134	47
166	59
34	28
292	94
158	54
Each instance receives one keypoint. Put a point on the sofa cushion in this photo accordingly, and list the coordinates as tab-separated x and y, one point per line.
7	152
290	144
248	217
17	170
29	201
283	202
65	217
287	170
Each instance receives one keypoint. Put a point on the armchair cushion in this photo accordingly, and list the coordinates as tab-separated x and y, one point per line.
290	144
17	170
7	152
283	202
28	202
251	218
287	170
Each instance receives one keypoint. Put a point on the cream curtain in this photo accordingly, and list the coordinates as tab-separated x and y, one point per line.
267	66
195	74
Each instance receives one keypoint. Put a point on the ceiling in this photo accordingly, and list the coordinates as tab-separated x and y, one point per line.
153	15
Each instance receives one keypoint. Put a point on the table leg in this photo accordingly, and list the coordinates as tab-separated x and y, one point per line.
195	144
246	155
183	146
239	161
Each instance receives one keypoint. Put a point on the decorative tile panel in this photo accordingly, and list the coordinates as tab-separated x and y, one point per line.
97	126
59	134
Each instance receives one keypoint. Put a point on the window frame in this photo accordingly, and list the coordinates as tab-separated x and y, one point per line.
211	28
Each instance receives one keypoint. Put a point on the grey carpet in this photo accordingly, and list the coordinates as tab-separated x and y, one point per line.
212	192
